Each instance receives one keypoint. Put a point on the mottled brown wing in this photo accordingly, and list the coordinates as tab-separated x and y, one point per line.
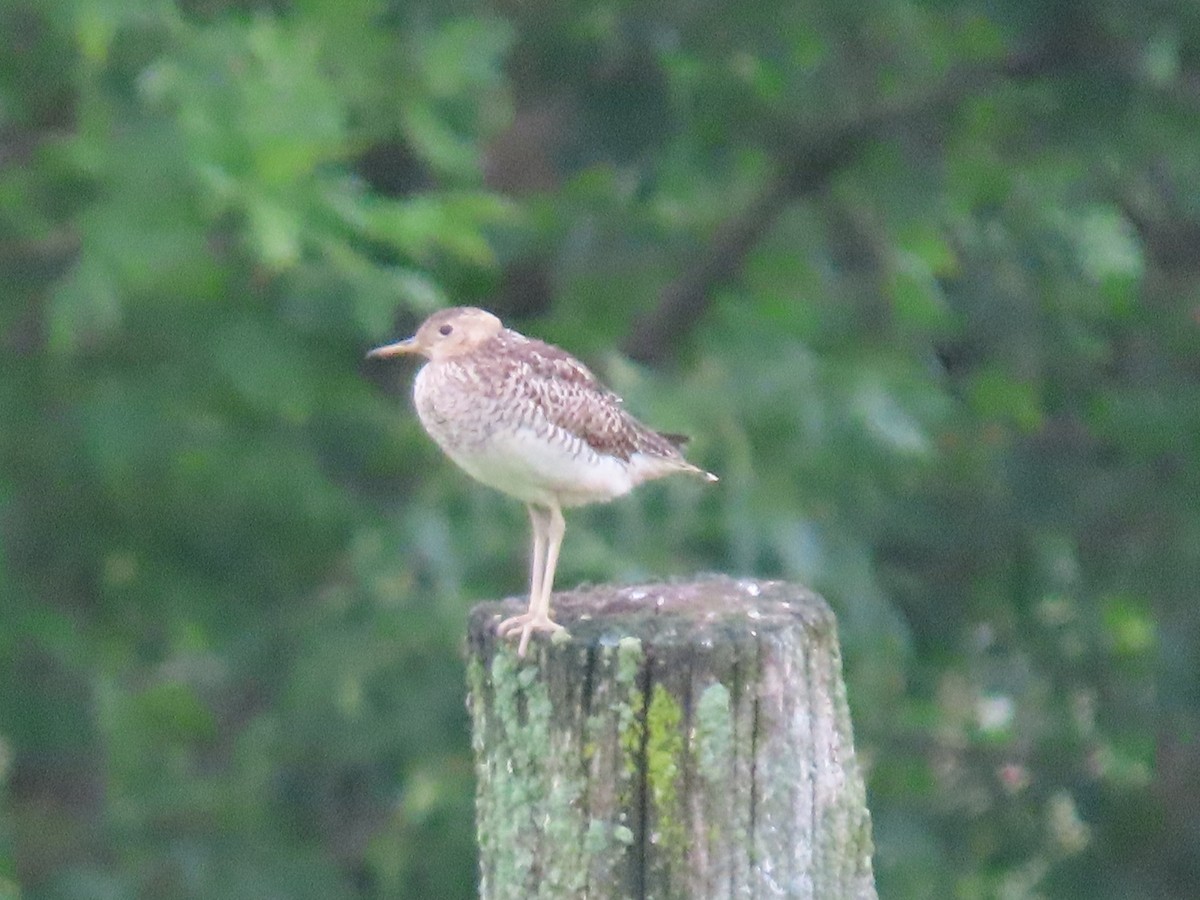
572	398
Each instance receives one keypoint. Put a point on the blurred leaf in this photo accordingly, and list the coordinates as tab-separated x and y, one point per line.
887	420
917	298
1107	246
1001	397
276	232
96	23
85	305
422	225
464	55
173	711
1130	627
266	368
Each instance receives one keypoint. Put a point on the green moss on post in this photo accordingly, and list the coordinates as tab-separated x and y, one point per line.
688	741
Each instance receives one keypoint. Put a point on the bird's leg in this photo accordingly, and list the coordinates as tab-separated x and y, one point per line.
555	528
537	565
548	528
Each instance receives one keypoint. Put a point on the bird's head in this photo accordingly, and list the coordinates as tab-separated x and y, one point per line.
446	334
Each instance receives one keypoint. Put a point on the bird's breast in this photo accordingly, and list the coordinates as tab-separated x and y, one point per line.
458	408
506	441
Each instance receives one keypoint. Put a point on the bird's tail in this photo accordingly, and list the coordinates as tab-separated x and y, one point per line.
645	467
678	441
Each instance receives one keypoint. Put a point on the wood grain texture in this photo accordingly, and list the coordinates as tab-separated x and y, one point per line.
688	740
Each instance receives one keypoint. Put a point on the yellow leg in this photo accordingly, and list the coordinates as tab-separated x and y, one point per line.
548	529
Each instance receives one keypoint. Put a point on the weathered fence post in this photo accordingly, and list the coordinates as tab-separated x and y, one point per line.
688	741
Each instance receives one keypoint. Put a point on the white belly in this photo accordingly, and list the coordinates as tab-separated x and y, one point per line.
532	468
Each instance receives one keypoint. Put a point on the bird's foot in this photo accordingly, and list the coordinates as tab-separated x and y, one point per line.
526	624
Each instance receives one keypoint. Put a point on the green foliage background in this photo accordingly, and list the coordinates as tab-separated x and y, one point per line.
921	278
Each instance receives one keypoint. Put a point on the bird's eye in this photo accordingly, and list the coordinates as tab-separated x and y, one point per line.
445	329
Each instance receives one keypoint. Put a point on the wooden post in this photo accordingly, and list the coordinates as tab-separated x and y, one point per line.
688	741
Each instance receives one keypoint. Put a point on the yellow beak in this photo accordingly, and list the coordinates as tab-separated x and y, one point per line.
409	345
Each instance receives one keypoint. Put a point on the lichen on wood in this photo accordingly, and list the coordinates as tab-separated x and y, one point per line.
688	740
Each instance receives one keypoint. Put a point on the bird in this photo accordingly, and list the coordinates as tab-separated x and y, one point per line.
528	419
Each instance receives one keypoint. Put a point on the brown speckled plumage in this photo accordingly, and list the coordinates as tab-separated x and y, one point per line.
569	396
528	419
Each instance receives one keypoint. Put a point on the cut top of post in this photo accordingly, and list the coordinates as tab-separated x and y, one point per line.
714	609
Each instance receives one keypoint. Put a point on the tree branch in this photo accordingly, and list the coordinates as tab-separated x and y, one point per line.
806	165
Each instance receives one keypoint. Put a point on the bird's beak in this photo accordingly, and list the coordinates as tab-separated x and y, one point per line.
399	348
